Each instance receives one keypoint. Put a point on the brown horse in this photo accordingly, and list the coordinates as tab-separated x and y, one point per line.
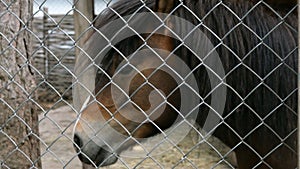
257	49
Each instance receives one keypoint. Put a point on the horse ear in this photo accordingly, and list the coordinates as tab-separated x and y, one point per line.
164	6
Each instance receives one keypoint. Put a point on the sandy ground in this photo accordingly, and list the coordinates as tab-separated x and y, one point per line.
56	127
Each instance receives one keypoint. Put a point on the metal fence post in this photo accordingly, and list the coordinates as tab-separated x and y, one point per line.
45	39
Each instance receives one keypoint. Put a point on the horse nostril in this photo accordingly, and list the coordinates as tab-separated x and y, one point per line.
78	143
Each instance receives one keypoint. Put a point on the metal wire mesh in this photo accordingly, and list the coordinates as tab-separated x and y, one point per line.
262	97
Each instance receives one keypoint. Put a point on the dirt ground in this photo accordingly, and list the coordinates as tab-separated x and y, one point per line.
56	127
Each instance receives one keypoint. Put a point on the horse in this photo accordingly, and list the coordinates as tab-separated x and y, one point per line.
257	49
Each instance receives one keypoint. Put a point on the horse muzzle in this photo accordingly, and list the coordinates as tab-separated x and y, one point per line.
91	153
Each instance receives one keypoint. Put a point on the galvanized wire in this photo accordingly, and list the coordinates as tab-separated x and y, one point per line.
59	68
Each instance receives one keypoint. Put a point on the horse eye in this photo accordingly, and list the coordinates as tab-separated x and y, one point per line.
99	71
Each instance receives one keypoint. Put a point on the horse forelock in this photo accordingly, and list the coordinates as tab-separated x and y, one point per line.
217	19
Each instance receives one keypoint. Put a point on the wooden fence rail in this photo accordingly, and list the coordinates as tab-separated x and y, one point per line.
54	56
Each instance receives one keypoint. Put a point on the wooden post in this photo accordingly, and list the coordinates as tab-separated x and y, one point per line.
83	17
19	134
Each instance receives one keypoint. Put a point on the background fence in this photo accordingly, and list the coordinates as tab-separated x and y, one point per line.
57	58
52	64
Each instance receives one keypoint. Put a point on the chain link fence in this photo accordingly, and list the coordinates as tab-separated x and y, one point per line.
149	84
